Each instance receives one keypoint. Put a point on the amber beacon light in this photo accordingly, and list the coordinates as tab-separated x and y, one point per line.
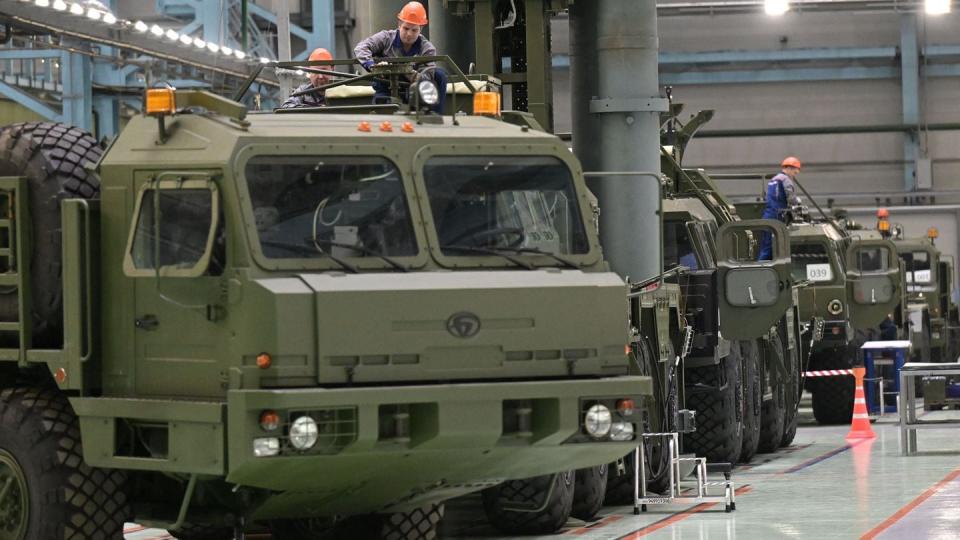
486	103
161	101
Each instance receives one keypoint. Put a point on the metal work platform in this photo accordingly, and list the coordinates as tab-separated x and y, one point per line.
681	489
909	422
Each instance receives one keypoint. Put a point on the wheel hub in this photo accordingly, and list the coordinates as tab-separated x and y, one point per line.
14	503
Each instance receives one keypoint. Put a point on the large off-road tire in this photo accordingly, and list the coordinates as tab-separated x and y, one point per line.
53	156
590	486
49	491
716	393
752	400
793	390
833	400
417	524
202	532
832	397
773	410
519	506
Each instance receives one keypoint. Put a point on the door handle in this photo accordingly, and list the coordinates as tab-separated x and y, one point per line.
147	322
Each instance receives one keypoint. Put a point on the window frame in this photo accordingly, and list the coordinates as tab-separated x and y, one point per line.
173	184
583	260
369	262
837	268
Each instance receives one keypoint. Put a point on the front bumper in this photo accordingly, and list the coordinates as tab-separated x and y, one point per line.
460	439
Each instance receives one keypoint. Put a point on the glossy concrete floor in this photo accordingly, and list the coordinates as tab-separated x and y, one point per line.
821	487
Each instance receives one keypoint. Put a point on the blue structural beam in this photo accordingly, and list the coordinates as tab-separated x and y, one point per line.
76	78
785	55
778	75
19	96
28	54
322	34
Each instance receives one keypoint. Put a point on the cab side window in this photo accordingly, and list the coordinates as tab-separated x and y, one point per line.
174	231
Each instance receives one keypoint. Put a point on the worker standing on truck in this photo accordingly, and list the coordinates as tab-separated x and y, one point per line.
781	195
406	40
313	99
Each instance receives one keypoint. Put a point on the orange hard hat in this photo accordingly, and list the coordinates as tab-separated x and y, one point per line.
320	54
883	213
790	162
413	13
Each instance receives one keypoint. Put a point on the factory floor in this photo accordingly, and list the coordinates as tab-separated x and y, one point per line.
820	487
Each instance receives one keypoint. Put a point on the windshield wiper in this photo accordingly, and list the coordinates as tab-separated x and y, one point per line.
552	255
488	251
365	250
310	250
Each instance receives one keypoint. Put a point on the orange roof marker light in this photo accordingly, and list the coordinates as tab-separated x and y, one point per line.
161	101
386	126
264	360
407	127
486	104
364	127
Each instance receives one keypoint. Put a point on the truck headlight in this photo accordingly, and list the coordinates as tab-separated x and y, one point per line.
266	446
621	431
428	92
597	421
835	307
303	433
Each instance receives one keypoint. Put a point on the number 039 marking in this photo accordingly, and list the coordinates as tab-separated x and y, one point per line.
819	272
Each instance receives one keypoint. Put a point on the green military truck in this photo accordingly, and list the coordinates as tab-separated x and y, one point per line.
735	318
743	375
930	309
300	322
716	250
852	282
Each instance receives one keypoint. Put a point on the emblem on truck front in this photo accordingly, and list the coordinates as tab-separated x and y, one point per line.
463	324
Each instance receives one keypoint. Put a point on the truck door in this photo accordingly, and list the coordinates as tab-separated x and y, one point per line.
174	260
754	293
873	281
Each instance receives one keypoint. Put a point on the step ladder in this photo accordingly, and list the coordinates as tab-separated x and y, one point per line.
680	488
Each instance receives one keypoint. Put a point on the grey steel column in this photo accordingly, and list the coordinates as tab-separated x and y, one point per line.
451	34
376	15
616	124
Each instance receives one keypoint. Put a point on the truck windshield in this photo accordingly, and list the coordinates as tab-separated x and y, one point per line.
811	262
329	206
504	202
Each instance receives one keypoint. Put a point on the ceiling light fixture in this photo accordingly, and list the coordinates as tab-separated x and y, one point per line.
936	7
776	7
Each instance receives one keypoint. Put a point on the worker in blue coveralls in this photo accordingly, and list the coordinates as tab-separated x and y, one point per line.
404	41
313	99
781	195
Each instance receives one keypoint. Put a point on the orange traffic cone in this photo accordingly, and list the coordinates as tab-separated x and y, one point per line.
860	426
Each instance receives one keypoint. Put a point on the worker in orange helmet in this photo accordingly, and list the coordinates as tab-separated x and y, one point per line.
406	40
781	195
313	99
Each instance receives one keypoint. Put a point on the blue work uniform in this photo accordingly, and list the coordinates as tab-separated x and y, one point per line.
315	99
781	193
387	44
